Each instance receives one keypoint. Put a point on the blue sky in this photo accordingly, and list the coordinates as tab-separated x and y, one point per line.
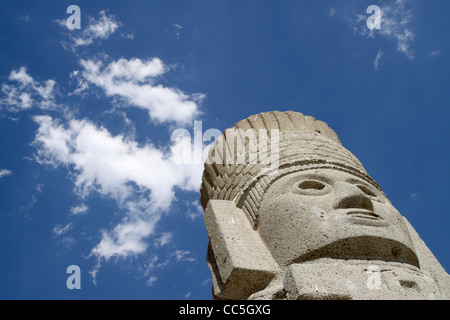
87	176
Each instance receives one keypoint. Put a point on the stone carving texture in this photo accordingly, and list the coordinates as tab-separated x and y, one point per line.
291	214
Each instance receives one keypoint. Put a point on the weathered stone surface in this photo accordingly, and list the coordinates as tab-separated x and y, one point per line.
312	224
242	263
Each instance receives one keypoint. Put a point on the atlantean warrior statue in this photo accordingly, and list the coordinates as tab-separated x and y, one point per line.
291	214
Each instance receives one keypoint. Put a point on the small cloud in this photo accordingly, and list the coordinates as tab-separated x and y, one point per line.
206	282
4	173
435	53
125	240
22	92
59	230
99	29
25	18
332	12
67	242
128	35
94	272
413	196
81	209
184	255
61	22
166	238
177	30
39	187
148	269
376	63
195	210
27	206
150	281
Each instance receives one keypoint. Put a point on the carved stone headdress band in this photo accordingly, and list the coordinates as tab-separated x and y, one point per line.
295	143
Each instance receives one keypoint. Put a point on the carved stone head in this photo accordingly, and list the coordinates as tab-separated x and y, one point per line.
281	192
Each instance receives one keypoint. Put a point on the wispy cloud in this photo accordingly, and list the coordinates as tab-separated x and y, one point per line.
184	255
165	239
155	263
39	187
60	230
376	63
4	173
435	53
195	210
396	25
133	81
150	281
25	18
22	92
80	209
61	233
97	29
177	28
332	12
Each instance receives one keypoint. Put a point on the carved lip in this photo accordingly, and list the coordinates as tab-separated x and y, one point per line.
364	214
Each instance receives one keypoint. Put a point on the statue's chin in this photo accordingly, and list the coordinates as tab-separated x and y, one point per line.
363	248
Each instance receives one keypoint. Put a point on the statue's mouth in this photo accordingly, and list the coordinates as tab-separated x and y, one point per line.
364	214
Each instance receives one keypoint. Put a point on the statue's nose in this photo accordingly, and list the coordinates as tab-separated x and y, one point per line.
348	195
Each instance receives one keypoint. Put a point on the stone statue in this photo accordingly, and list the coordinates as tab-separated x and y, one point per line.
291	214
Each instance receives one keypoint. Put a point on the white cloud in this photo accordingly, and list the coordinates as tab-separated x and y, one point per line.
148	269
195	210
376	62
25	18
101	29
141	179
165	239
332	12
177	30
206	282
80	209
154	263
184	255
151	281
4	173
21	76
59	230
435	53
39	187
67	242
22	92
127	238
133	81
396	25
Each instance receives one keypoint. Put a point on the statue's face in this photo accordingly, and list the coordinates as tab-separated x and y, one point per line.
331	213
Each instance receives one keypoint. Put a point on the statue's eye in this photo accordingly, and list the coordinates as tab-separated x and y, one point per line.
367	191
311	185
